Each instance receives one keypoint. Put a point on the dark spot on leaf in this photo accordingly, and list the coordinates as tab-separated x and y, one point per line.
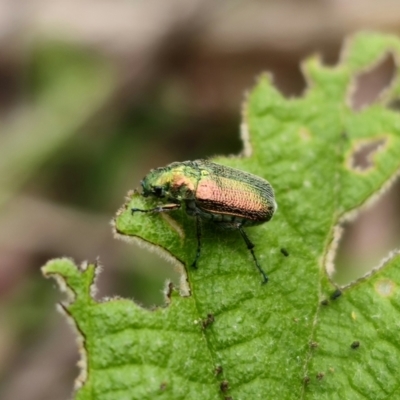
224	386
313	345
218	370
306	380
208	321
163	386
369	85
320	375
284	252
355	344
361	158
336	294
170	288
324	302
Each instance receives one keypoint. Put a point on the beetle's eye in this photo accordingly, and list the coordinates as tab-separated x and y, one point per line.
158	191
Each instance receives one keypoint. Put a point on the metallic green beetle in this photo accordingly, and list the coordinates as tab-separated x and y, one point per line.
228	197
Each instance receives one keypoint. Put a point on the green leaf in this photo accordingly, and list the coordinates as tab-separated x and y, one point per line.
297	337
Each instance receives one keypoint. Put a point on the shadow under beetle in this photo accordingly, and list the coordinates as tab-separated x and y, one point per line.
228	197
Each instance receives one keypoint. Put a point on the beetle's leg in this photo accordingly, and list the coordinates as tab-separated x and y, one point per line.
162	208
250	246
198	233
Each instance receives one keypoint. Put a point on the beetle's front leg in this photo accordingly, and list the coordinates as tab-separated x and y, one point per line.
158	209
198	234
194	211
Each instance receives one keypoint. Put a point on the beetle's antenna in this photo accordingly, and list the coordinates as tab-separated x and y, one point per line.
250	246
198	233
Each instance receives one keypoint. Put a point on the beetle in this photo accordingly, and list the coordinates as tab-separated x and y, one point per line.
228	197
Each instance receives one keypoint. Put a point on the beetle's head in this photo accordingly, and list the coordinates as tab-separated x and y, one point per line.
155	184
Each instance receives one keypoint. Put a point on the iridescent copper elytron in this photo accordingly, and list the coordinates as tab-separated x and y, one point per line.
228	197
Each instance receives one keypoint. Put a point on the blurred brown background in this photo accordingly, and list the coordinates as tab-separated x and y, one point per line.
95	93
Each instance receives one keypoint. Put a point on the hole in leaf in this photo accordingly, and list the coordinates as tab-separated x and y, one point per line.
362	156
369	85
369	237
